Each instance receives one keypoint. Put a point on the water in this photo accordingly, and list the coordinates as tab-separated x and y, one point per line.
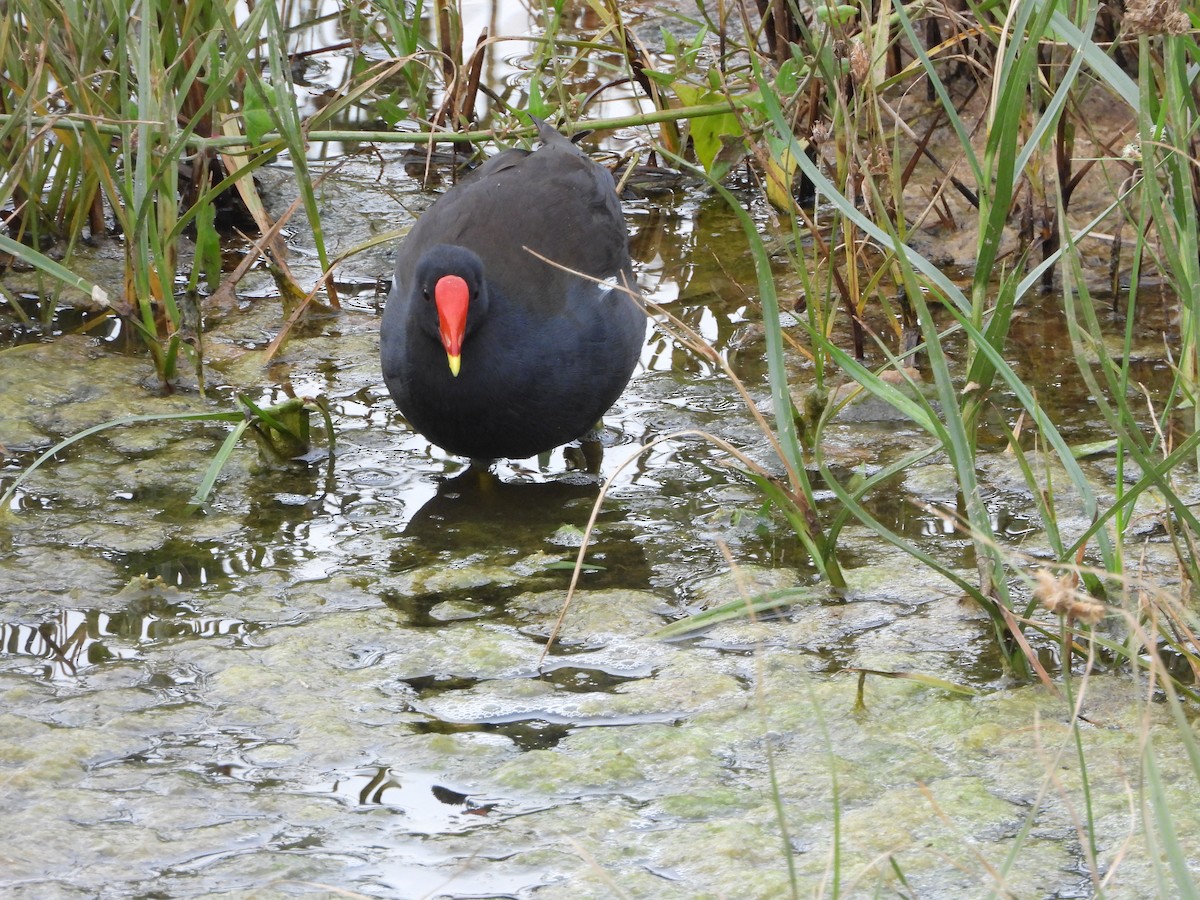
333	679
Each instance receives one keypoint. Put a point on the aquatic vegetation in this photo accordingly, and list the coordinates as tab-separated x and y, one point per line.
910	183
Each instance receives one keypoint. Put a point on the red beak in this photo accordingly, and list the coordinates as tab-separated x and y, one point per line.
452	297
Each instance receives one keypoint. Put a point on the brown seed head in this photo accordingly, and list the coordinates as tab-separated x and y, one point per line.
1060	596
1156	17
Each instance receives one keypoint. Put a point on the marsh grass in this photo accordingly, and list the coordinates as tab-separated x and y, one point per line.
111	122
109	125
1045	71
1021	138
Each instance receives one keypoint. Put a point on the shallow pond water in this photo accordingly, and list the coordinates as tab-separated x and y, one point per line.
332	680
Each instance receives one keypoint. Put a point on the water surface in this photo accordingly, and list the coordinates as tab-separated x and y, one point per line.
332	679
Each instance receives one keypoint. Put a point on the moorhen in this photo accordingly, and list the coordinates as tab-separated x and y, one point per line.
490	352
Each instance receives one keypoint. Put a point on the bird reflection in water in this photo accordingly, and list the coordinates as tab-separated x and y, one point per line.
476	509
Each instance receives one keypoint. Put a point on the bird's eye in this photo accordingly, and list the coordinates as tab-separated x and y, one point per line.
425	292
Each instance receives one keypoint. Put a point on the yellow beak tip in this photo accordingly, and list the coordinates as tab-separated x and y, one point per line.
455	364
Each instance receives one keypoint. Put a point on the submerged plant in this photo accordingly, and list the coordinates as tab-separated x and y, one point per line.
280	431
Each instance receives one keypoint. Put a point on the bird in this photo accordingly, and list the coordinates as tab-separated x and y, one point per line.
514	321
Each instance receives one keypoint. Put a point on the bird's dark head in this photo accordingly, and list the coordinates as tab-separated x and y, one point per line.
450	280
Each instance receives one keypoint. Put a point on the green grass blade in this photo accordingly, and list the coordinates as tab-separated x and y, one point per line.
54	269
103	426
204	489
741	608
1159	815
1105	67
